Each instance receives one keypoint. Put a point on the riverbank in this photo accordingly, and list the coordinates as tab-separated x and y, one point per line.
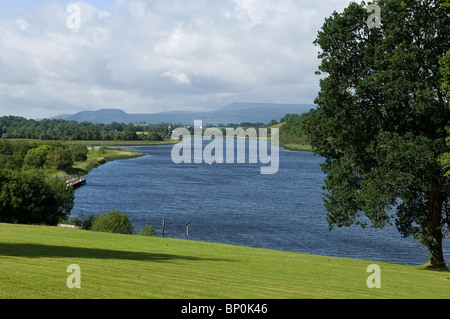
35	259
297	147
101	152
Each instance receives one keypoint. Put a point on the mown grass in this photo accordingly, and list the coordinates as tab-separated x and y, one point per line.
34	261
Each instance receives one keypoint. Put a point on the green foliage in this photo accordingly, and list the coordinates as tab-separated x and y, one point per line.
292	131
79	153
153	136
445	73
18	127
30	198
148	231
36	157
102	150
12	154
60	158
112	222
40	155
291	118
83	221
382	117
445	85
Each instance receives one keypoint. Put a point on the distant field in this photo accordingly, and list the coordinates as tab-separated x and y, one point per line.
34	261
106	143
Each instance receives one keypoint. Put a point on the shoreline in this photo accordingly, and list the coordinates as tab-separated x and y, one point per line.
102	152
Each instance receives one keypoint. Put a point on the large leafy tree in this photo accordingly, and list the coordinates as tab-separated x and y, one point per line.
382	117
31	198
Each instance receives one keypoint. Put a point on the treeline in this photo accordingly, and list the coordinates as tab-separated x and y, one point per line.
21	128
57	129
25	155
292	131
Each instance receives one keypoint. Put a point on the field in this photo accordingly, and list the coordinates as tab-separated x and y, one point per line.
34	261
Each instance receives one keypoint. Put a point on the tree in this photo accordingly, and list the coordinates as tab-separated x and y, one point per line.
36	157
59	158
30	198
445	72
79	153
381	120
148	231
112	222
129	133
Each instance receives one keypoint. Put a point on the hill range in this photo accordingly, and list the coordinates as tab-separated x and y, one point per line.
232	113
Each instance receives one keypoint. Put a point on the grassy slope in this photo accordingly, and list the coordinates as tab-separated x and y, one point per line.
34	259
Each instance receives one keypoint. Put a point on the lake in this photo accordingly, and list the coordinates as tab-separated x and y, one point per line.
235	204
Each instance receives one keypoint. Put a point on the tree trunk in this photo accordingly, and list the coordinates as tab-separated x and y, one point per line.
433	229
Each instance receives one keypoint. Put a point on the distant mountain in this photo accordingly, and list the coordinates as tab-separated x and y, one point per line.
101	116
233	113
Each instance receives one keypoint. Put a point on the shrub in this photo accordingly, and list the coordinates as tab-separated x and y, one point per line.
83	221
36	157
112	222
79	153
31	198
148	231
103	150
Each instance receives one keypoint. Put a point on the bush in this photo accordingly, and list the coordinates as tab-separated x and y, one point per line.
148	231
83	221
31	198
36	157
112	222
103	150
79	153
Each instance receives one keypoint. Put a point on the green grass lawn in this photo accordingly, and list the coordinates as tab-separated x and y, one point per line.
34	261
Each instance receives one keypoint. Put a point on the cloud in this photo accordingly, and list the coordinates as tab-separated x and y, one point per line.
151	56
178	77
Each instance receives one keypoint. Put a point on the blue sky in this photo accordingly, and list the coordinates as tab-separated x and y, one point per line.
151	56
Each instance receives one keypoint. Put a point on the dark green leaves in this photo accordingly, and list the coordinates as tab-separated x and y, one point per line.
382	117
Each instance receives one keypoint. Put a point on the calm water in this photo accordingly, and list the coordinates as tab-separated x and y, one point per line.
234	203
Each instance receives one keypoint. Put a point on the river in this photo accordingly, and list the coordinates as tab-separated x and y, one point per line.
236	204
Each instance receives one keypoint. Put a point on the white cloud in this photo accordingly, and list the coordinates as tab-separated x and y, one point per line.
23	24
178	77
151	56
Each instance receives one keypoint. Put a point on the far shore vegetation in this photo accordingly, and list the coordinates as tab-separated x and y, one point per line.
35	258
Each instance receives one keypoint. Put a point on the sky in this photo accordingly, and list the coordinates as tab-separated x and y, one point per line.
148	56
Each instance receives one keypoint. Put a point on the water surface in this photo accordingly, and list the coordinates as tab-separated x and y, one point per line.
234	203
